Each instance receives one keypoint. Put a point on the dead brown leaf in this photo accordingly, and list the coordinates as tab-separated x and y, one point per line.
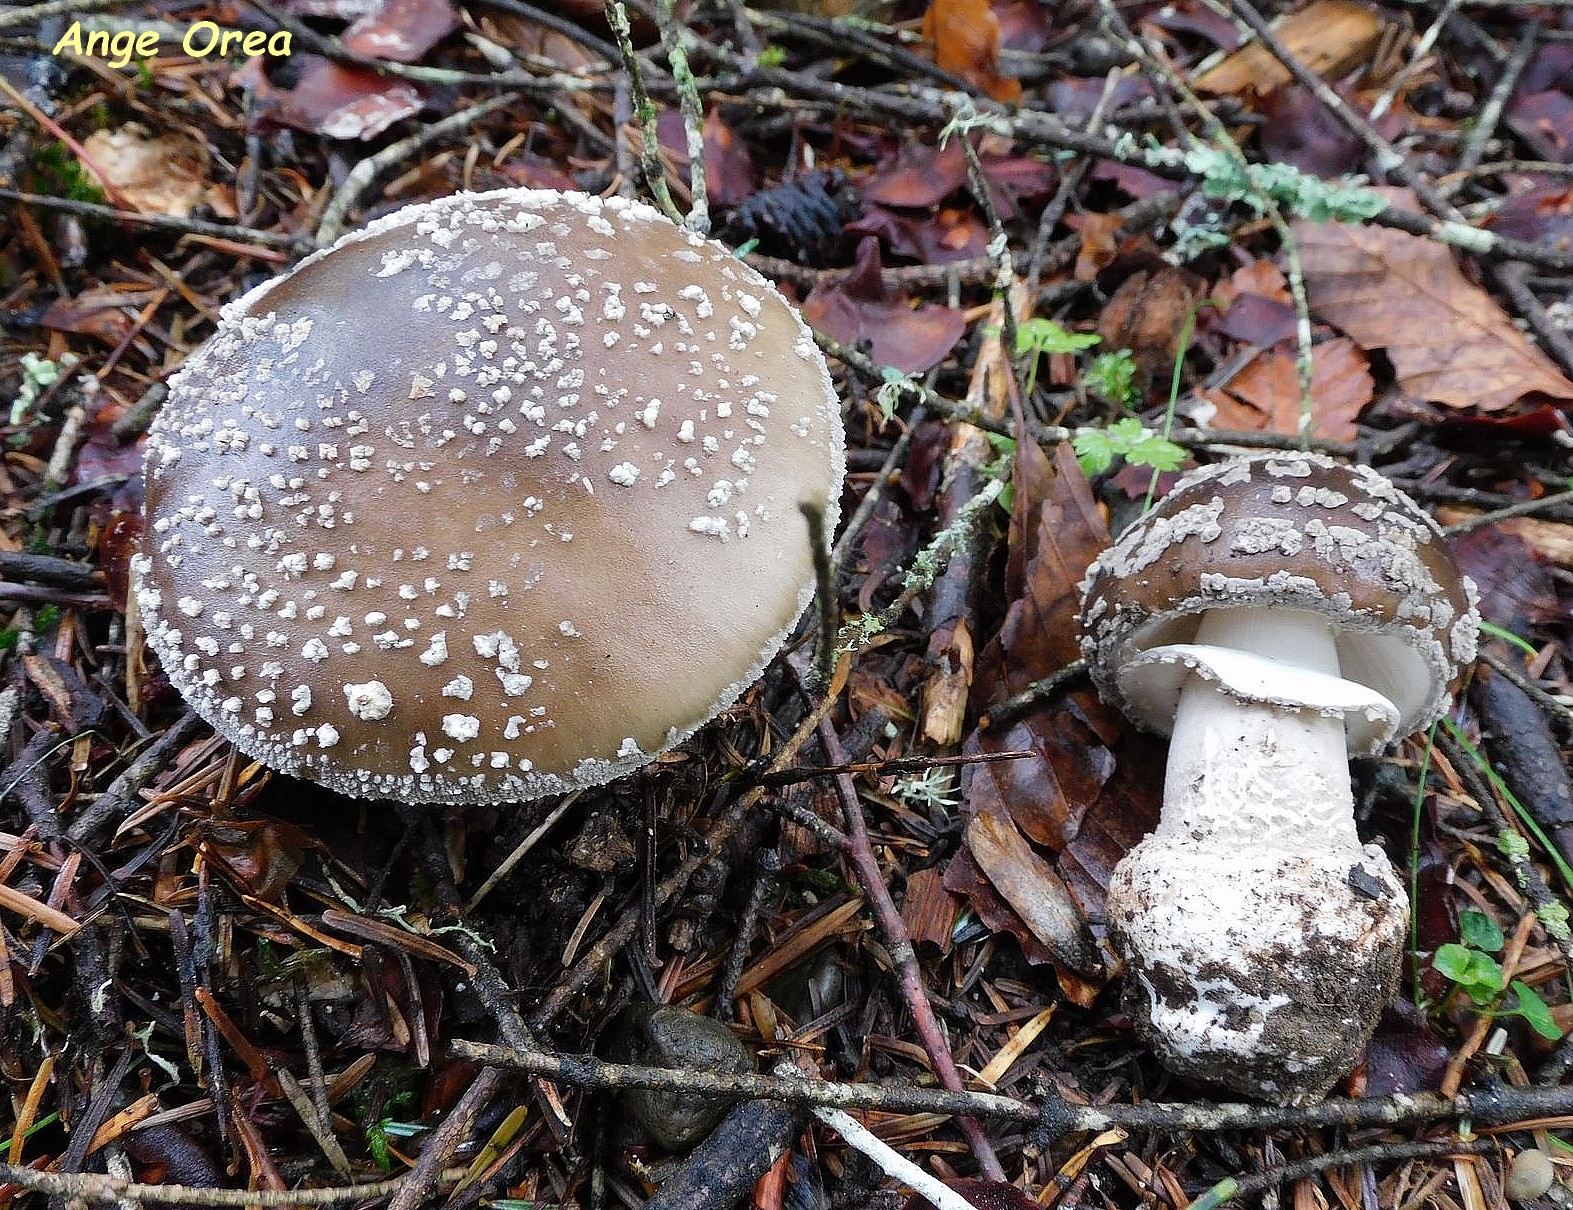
1147	315
1100	241
401	30
1551	540
928	910
1328	36
1265	396
160	174
1447	338
919	175
1029	884
965	35
729	165
1260	277
964	877
1056	529
860	307
333	100
930	239
105	312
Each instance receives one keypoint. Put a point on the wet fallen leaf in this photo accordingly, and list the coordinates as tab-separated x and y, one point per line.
1551	540
105	312
1133	181
1300	130
1449	341
1550	67
1517	589
1193	17
1057	802
941	238
964	877
1406	1055
261	855
1328	36
965	35
160	174
1025	25
860	307
1100	234
1265	396
1541	213
332	100
1076	98
1253	305
117	546
920	175
1544	120
729	165
1147	315
102	456
401	30
928	910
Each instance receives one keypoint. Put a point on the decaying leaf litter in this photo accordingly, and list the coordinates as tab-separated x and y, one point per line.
220	979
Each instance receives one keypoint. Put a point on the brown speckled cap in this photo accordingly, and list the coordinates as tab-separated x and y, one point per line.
1291	530
496	498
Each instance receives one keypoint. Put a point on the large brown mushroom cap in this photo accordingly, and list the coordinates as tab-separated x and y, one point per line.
1296	531
495	498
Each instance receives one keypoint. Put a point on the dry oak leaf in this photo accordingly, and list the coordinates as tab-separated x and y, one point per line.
1329	36
860	306
401	30
965	35
1448	340
157	174
1266	394
1146	315
1030	886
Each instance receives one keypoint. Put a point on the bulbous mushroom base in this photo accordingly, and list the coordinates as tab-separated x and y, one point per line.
1263	971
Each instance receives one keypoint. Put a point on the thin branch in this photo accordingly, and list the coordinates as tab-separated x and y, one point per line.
1495	1106
95	1187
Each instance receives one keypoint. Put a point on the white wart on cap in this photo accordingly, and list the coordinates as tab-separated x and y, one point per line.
496	498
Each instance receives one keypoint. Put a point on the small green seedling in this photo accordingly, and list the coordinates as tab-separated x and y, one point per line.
1469	964
1096	448
380	1135
1038	337
892	386
1112	376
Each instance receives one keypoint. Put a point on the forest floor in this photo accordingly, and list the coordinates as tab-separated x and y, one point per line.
1076	248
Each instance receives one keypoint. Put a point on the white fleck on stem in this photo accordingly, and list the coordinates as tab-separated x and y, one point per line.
1234	764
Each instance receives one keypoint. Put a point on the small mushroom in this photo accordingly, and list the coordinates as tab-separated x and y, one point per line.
1273	614
1529	1177
496	498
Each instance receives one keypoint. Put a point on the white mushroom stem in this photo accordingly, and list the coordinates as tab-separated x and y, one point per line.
1236	764
1261	938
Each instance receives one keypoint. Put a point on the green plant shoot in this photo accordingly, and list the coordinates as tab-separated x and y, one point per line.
1096	449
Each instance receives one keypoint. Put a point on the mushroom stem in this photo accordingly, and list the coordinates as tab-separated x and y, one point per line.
1262	938
1233	762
